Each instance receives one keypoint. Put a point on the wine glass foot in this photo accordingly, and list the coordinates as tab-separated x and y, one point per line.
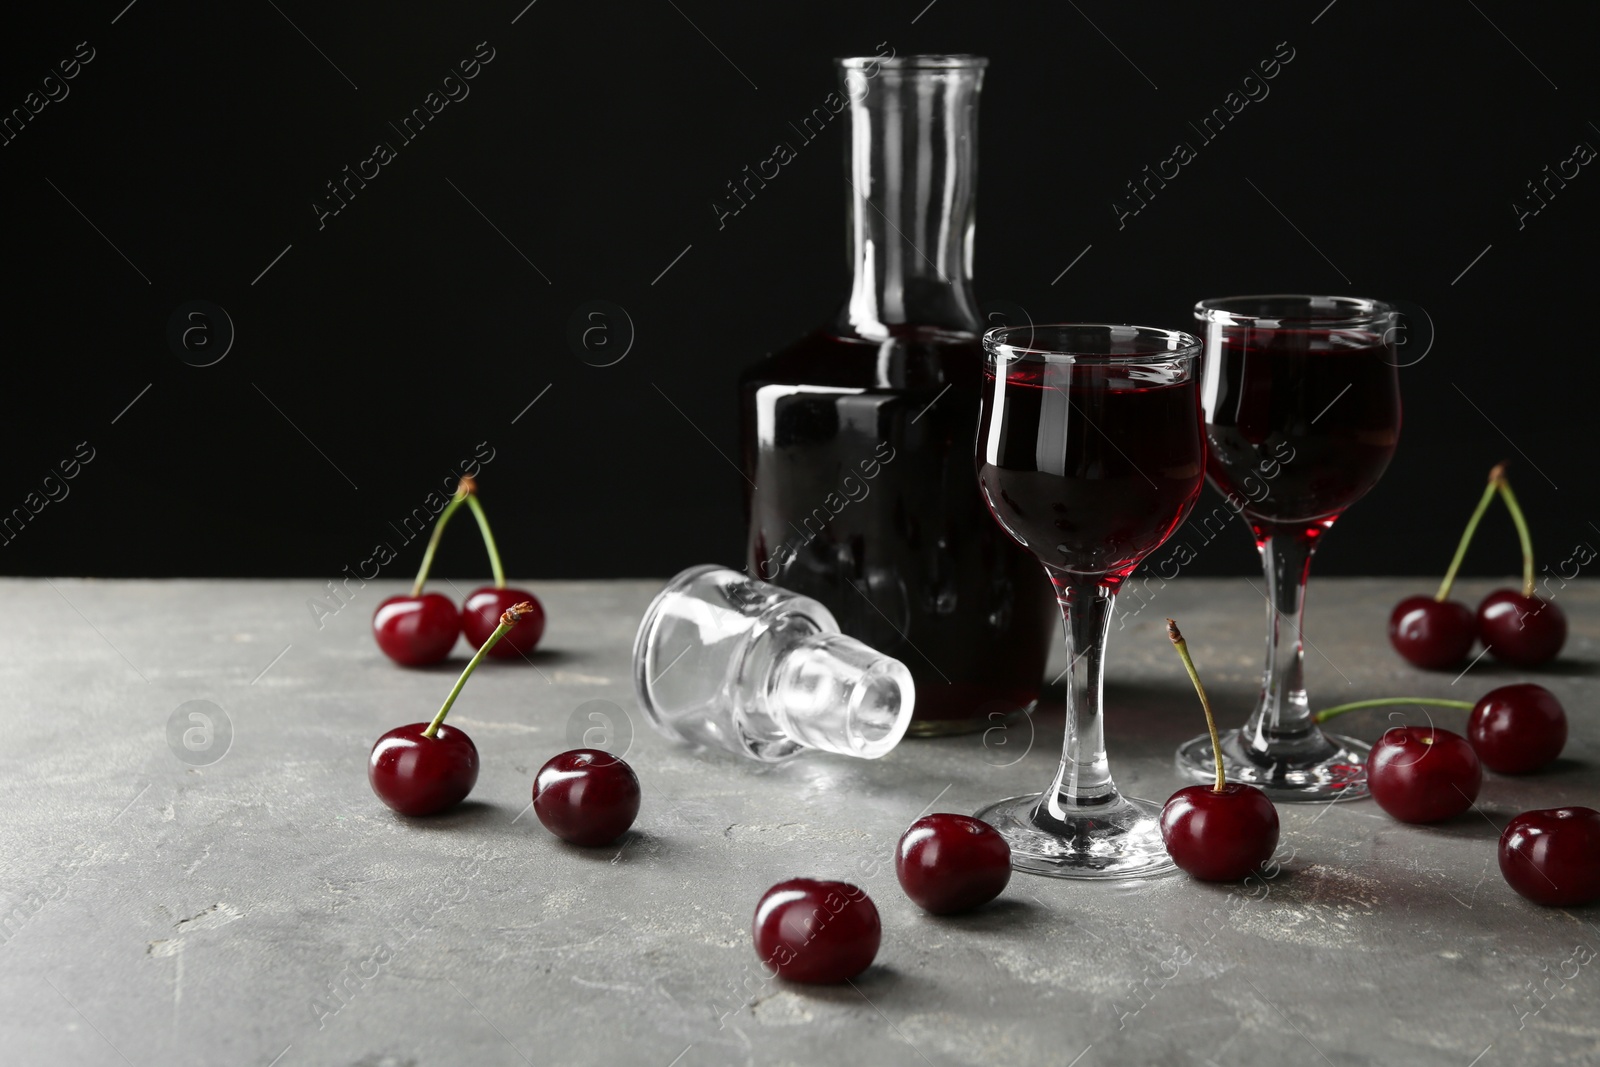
1119	840
1335	771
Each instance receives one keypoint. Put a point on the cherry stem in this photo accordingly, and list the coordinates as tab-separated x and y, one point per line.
1385	702
488	542
1523	535
1205	703
464	492
510	618
1495	478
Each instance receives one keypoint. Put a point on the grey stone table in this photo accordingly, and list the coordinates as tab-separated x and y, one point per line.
161	905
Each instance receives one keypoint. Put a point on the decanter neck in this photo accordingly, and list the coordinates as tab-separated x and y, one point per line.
723	660
835	693
911	169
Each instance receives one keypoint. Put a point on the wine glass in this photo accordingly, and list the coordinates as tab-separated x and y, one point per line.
1090	454
1302	407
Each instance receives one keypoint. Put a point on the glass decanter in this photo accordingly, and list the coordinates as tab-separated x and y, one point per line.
857	439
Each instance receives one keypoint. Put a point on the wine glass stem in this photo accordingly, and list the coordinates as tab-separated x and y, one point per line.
1283	714
1084	778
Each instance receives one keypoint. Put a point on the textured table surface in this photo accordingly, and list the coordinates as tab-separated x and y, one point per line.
264	908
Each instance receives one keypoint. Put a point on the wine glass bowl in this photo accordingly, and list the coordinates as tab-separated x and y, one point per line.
1301	397
1090	455
1302	404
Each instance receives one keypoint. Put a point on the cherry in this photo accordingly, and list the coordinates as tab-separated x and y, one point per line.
483	608
1423	773
1432	634
426	767
1520	629
815	931
415	631
1220	832
420	629
416	774
952	863
586	796
1552	856
1436	633
1517	728
486	604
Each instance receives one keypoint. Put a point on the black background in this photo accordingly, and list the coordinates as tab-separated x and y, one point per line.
407	329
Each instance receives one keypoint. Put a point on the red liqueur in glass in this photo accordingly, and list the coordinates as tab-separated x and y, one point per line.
1093	471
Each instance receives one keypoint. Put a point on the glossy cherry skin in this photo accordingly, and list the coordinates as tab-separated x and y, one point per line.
1220	836
417	775
1552	856
952	863
1521	630
586	796
1423	774
481	614
415	631
814	931
1432	634
1517	728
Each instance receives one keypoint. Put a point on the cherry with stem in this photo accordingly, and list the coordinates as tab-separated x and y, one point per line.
426	767
420	629
484	606
1420	774
1520	627
1221	832
1436	633
1514	729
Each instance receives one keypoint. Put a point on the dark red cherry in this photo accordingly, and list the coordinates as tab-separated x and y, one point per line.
1521	630
1432	634
952	863
481	614
1552	856
1423	774
417	630
1220	835
1517	728
417	775
586	796
813	931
